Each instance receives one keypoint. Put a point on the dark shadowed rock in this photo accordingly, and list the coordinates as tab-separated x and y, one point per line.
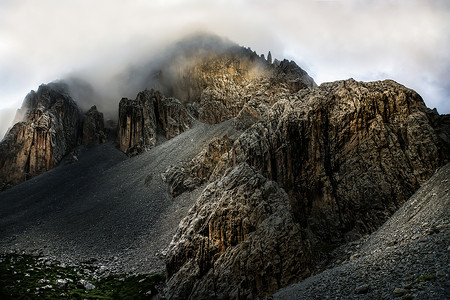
50	128
93	128
173	117
137	124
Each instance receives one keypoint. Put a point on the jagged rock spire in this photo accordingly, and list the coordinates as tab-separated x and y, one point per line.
269	57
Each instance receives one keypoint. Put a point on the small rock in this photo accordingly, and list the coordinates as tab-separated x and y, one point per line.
42	281
61	282
362	289
85	284
399	292
47	287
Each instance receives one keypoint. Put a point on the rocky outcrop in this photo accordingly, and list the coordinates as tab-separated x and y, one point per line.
238	241
173	117
50	128
140	120
348	154
200	169
137	124
93	128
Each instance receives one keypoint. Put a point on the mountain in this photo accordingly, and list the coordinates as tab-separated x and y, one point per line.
234	174
326	166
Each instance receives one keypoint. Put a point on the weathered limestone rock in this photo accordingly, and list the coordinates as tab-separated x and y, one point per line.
137	124
347	153
50	128
223	81
93	128
200	169
238	241
140	119
173	117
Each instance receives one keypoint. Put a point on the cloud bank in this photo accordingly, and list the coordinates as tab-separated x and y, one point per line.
404	40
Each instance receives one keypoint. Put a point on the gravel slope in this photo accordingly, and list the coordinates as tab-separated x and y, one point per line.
407	256
105	207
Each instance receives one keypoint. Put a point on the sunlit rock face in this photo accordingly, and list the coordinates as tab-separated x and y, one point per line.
50	128
221	77
140	120
322	167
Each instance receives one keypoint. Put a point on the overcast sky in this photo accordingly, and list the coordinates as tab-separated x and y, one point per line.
404	40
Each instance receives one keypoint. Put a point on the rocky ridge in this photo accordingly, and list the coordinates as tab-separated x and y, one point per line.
220	78
200	169
238	240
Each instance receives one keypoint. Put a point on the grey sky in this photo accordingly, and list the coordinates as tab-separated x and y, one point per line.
404	40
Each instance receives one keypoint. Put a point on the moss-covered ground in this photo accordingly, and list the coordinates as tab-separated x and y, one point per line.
30	277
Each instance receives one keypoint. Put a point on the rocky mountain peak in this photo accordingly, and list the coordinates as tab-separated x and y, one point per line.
49	130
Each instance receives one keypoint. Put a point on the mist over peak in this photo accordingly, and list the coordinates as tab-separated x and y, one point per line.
162	70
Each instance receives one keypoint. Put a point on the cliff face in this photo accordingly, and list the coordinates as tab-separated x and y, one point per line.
141	119
348	154
49	130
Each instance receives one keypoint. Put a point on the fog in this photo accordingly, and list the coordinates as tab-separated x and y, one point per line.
98	43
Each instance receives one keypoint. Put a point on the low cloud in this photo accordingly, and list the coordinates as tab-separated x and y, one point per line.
404	40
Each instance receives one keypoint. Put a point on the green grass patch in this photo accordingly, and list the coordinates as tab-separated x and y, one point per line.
28	277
